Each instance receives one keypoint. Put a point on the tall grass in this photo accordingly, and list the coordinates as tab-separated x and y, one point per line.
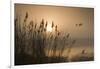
32	38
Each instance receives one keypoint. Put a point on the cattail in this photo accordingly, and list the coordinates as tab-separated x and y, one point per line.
31	23
58	33
46	24
42	21
40	26
56	28
52	24
38	31
35	26
67	35
26	15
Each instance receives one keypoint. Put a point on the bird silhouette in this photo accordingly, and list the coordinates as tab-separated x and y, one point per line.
80	24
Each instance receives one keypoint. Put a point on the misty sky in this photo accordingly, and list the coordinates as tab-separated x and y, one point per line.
65	17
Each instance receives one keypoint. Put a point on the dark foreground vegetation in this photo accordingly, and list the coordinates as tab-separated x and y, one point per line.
33	44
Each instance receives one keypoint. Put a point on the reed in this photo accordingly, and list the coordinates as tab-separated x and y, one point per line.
33	39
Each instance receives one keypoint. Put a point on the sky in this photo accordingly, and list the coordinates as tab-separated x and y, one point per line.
65	17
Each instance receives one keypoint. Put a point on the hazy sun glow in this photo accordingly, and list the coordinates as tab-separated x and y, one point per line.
49	28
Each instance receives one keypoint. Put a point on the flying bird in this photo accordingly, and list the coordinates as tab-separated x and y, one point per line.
80	24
